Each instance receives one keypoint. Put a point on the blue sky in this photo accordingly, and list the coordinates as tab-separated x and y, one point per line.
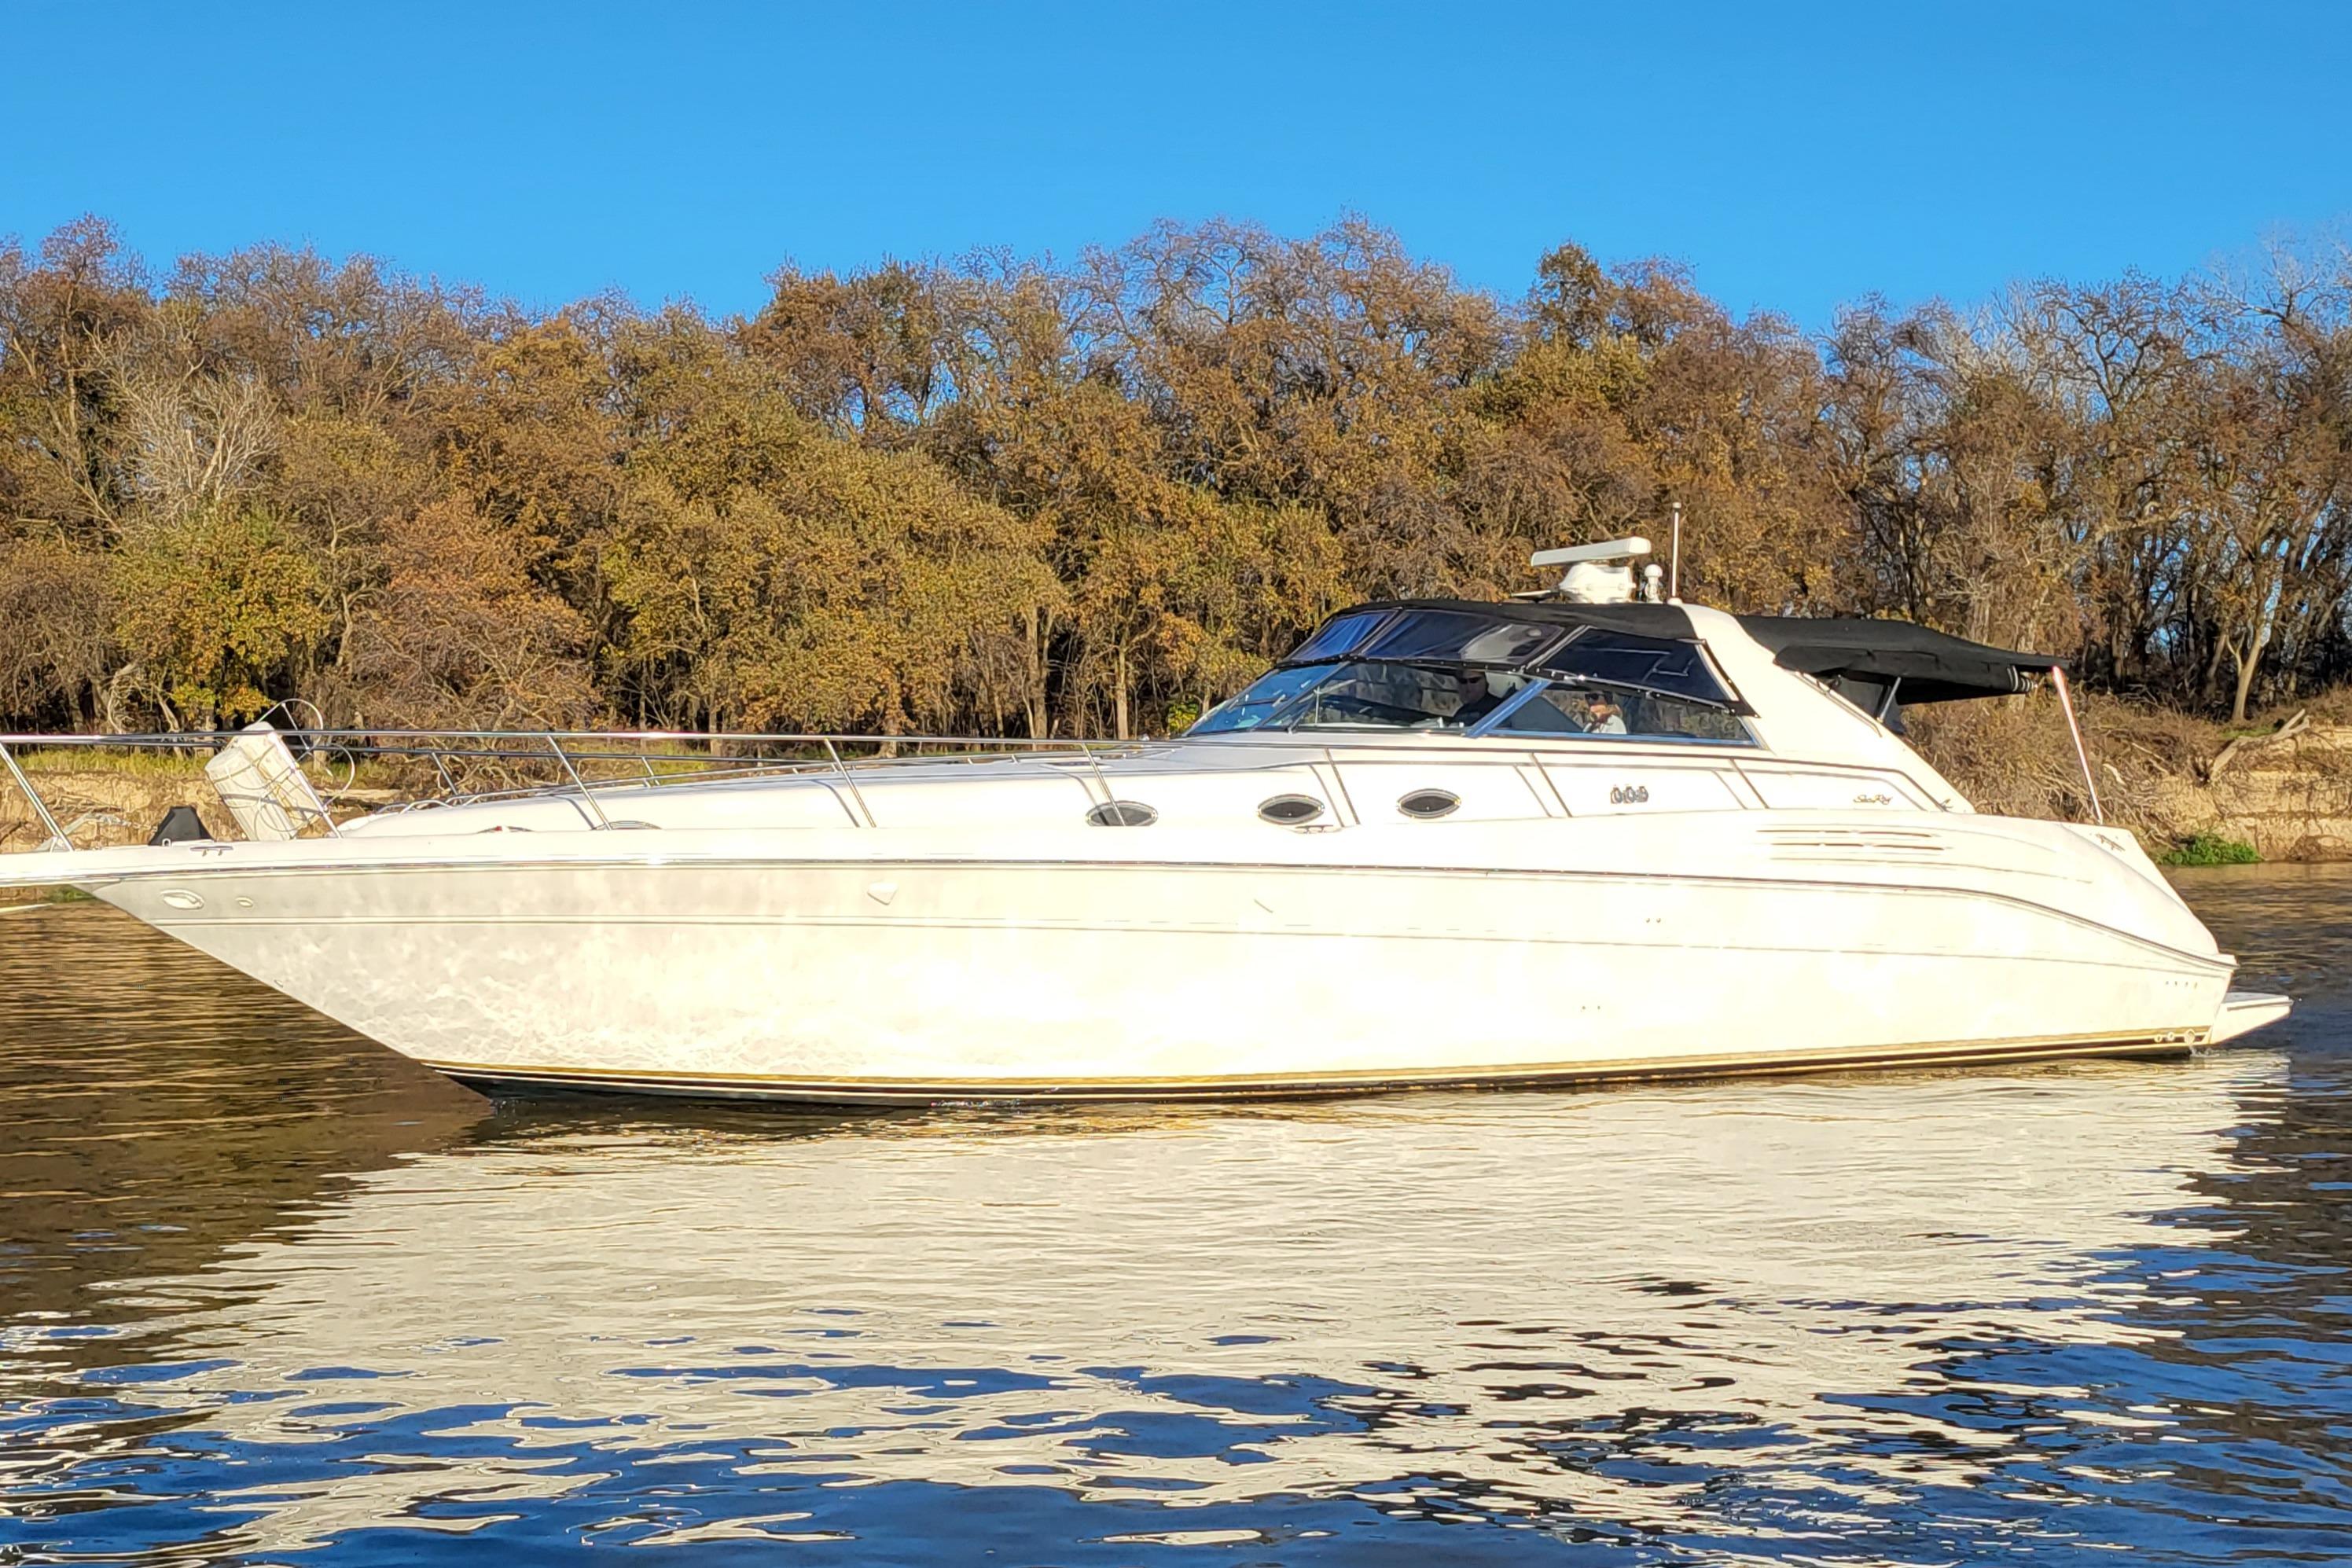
1796	157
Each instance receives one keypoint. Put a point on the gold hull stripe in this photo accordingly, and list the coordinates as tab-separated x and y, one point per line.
1242	1086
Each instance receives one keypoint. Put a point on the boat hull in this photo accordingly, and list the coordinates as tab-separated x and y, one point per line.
880	981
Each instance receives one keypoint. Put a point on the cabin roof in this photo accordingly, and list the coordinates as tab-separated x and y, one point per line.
1641	620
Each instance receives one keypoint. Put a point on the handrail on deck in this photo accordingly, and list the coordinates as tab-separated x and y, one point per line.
569	749
446	751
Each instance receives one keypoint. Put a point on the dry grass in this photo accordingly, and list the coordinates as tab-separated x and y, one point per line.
140	764
24	900
164	764
2014	757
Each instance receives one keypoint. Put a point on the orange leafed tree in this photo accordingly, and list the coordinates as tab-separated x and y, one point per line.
1016	497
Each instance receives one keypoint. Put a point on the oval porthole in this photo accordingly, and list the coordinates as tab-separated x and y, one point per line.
180	898
1291	810
1426	805
1122	814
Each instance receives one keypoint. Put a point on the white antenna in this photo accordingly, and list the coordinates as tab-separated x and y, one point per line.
1674	560
1607	549
1593	578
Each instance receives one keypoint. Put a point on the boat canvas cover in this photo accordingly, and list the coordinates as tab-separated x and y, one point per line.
1859	655
1874	664
1665	621
1917	666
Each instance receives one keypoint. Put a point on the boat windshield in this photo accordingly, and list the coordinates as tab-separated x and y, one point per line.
1591	709
1367	693
1266	697
1361	694
1420	668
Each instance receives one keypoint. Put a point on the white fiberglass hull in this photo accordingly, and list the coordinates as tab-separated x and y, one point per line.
907	971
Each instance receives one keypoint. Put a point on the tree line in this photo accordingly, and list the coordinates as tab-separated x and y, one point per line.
1010	495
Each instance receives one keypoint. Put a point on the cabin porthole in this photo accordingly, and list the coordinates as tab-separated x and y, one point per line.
1122	814
1428	805
1291	810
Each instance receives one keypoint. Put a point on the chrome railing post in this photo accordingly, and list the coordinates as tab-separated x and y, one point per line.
2082	752
596	806
854	792
1087	747
40	806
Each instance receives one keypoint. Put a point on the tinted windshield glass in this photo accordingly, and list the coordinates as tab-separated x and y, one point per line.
1364	696
1448	636
1339	636
1400	696
1602	711
1261	702
1620	658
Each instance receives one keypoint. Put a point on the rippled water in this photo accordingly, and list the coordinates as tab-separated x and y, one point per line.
271	1294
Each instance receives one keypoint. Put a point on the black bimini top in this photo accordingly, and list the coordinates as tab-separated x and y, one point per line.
1894	659
1875	665
1665	621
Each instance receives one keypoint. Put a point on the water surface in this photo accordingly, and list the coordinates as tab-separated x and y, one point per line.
270	1294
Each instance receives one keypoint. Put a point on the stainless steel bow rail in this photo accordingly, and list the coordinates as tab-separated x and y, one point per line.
626	759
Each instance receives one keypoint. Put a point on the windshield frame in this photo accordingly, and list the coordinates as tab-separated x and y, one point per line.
1666	662
1286	714
1556	644
1538	684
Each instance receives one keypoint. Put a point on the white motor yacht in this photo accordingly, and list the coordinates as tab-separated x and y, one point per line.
1441	843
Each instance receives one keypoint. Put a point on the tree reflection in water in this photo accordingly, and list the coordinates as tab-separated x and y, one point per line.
1924	1317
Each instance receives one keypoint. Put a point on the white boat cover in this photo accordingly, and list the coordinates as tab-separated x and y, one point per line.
263	787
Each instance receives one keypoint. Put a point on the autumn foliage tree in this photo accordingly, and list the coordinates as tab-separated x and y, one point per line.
1014	496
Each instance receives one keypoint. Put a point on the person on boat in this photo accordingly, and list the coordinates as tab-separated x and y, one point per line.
1601	715
1478	699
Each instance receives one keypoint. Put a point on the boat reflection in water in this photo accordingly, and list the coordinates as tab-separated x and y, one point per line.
1753	1319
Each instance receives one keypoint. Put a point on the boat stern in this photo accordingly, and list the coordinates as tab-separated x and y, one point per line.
2245	1011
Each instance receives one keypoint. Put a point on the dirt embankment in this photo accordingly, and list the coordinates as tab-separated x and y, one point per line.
2286	791
2290	798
